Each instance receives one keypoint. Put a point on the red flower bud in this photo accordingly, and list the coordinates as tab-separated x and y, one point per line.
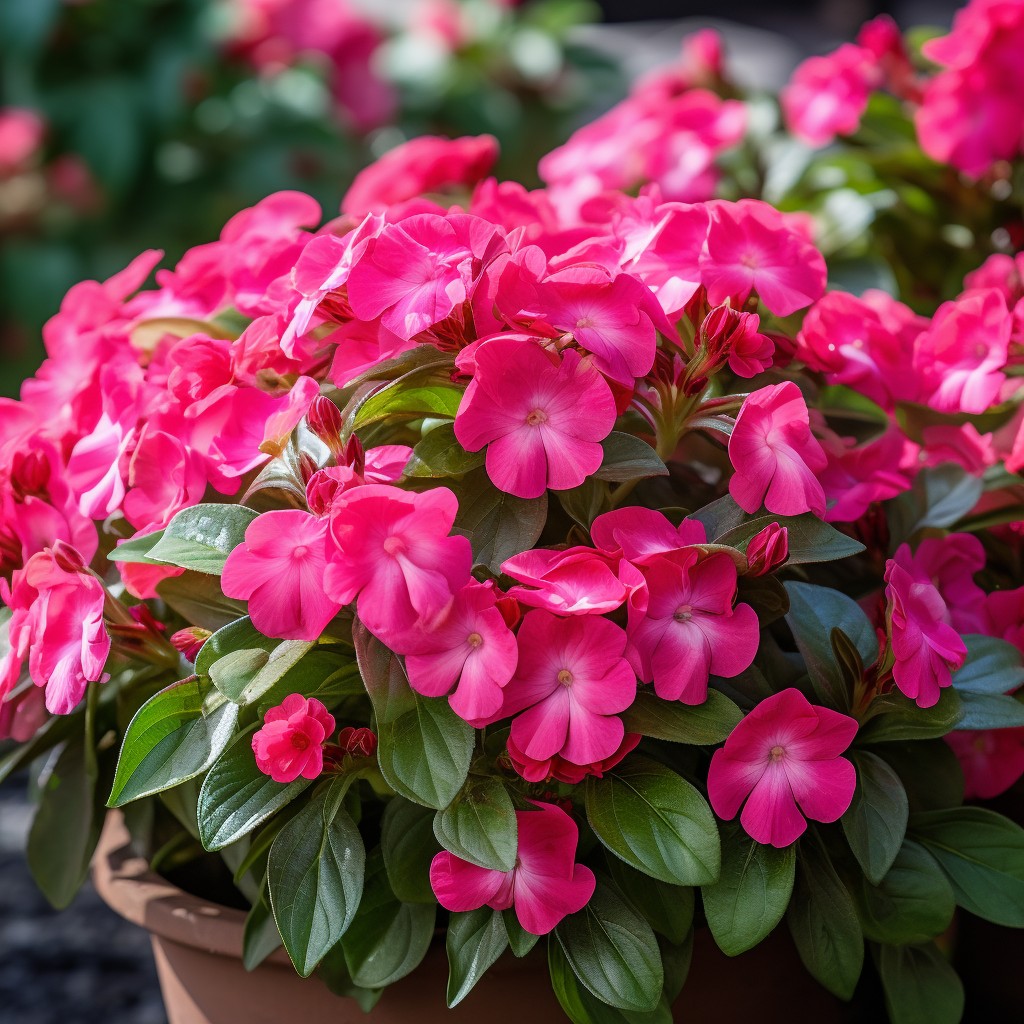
324	419
358	742
767	550
188	641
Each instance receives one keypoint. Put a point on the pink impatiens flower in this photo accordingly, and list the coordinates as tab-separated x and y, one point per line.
279	569
290	743
784	761
576	581
684	626
542	417
774	454
570	684
925	646
992	760
545	886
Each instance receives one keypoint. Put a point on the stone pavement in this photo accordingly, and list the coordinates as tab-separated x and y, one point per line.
83	965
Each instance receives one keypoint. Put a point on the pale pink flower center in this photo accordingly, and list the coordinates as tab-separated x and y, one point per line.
474	639
394	545
536	418
777	753
749	259
683	613
565	677
300	551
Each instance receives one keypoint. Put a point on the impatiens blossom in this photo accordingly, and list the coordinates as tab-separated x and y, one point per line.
279	569
542	416
774	454
992	760
570	684
782	764
557	768
545	886
290	743
472	650
577	581
392	551
57	626
924	645
687	628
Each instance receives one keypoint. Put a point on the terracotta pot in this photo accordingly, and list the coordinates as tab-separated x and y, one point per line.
198	951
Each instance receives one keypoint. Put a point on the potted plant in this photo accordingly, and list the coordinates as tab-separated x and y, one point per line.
566	577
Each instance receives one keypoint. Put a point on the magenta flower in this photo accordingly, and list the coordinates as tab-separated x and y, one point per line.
925	646
392	551
472	650
290	743
992	760
774	454
767	550
784	761
570	684
541	417
279	569
557	768
545	886
576	581
685	627
57	625
637	533
753	247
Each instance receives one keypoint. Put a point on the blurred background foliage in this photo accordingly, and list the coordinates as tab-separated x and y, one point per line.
135	124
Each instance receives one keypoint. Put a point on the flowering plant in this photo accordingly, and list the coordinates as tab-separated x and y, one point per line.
542	566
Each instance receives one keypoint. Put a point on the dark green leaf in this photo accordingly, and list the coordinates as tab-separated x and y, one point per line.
982	854
912	904
993	666
656	821
751	894
520	941
439	454
197	598
989	711
823	923
260	936
876	820
892	716
408	844
810	539
475	940
939	497
315	878
628	458
920	985
668	908
423	392
929	771
701	725
479	825
176	735
586	502
202	537
613	952
914	419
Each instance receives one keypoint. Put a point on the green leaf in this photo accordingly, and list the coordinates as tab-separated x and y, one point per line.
387	939
912	904
814	612
66	825
498	525
439	454
237	797
137	549
586	502
421	393
751	894
197	598
613	952
876	821
475	940
628	458
920	985
424	749
989	711
992	666
520	941
914	419
667	908
929	771
701	725
315	878
583	1008
982	854
260	936
940	496
656	821
479	825
810	540
408	845
893	716
824	925
176	735
202	537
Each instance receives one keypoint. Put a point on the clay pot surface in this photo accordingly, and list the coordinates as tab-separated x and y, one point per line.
198	950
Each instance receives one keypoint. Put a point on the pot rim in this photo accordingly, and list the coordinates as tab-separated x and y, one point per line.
126	883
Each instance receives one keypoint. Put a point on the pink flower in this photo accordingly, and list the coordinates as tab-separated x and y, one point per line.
290	743
774	454
425	164
686	628
472	650
21	136
767	550
753	247
545	886
57	625
992	760
637	533
279	569
542	417
557	768
576	581
925	646
784	761
950	563
570	684
392	551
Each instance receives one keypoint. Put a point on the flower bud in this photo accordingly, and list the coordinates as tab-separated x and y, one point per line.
357	742
324	419
767	550
189	640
